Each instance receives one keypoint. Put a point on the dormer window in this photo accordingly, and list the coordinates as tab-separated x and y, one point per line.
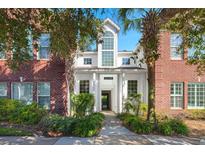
87	61
125	61
108	49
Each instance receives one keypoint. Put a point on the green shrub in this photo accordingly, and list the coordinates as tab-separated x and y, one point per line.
88	126
136	124
56	123
165	128
195	114
18	112
14	132
172	126
84	127
82	104
179	127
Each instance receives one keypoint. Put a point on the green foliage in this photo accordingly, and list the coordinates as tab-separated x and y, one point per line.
136	124
88	126
84	127
14	132
133	104
172	126
195	114
166	125
56	123
18	112
82	104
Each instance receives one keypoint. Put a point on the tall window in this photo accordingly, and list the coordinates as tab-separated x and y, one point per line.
84	86
87	61
177	97
108	49
3	90
175	42
132	87
196	95
23	92
44	49
44	94
125	61
2	55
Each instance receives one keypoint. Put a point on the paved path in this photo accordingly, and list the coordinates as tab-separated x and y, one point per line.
112	133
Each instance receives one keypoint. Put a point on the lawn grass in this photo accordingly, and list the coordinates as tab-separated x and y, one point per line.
13	132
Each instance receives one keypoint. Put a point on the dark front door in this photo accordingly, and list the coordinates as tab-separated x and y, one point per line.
106	97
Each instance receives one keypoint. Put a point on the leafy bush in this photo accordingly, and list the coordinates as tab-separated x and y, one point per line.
56	123
18	112
88	126
173	126
165	128
83	127
82	104
14	132
166	125
195	114
136	124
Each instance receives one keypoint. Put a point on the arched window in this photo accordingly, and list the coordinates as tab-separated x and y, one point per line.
108	49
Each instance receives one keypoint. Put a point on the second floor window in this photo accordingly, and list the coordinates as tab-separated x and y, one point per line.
87	61
175	42
2	55
108	49
44	46
125	61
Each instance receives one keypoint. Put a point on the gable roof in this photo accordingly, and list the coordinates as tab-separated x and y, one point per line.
108	20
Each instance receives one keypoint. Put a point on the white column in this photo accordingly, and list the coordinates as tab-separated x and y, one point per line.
95	90
120	96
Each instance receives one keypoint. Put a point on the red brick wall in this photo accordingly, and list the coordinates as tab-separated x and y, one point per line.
52	71
168	71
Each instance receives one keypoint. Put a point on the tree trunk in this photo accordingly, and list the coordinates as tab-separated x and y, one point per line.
69	81
151	90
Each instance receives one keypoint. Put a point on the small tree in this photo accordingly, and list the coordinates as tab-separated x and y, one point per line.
82	104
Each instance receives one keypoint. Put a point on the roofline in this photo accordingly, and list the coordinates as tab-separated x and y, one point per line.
112	23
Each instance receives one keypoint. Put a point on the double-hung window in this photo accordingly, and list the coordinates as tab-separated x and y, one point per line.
3	90
23	92
84	86
177	96
44	49
125	61
132	87
175	42
2	53
87	61
44	94
108	49
196	95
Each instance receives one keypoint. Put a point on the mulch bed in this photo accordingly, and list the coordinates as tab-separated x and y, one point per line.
197	127
28	128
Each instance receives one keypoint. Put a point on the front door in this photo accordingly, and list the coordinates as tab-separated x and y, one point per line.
106	99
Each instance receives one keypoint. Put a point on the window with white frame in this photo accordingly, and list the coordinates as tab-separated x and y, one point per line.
3	90
44	49
87	61
131	87
44	94
84	86
196	95
2	55
176	93
108	49
22	91
175	41
125	61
